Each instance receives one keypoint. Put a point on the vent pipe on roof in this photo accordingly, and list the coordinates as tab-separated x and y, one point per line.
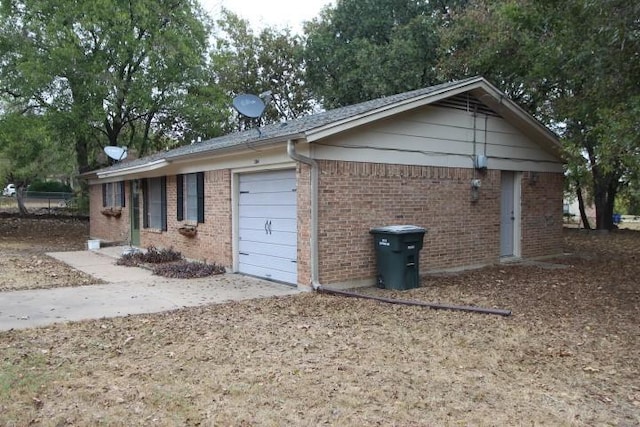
291	152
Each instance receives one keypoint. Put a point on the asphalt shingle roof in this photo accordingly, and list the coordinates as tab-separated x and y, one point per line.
283	130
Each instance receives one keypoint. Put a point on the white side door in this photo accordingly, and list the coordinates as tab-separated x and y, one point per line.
510	214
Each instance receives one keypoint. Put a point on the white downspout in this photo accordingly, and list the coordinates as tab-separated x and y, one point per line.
291	152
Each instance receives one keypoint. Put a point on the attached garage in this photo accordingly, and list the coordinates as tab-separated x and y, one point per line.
267	229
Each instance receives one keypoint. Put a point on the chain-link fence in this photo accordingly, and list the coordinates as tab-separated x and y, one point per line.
37	200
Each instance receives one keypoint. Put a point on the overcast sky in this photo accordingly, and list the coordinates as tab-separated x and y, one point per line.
270	13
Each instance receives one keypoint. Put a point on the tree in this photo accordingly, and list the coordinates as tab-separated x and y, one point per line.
271	61
574	65
29	152
360	50
108	72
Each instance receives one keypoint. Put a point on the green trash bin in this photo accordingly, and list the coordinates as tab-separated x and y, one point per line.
397	250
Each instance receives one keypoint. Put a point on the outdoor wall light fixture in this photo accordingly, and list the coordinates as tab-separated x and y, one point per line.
475	190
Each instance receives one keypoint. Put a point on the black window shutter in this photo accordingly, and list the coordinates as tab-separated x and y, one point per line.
180	197
145	205
163	199
122	196
104	195
200	188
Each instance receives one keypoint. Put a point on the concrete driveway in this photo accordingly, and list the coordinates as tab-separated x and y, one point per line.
129	290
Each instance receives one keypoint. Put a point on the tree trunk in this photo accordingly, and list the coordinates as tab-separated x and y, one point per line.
19	198
605	190
82	158
583	213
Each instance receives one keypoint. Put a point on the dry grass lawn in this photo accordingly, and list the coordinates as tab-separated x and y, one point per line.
569	355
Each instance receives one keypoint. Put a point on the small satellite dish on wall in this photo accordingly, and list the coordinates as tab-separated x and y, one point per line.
249	105
116	153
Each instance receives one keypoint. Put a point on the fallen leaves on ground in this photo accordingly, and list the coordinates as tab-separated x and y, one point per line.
25	242
567	356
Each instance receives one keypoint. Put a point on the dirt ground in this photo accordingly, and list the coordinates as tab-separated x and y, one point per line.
569	354
23	243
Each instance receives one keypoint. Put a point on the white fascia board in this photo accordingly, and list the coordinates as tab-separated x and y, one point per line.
138	169
392	109
249	146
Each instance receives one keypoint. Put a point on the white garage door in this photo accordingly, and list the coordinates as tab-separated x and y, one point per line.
267	245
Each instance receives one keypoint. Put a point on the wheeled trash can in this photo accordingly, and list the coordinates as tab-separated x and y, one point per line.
397	250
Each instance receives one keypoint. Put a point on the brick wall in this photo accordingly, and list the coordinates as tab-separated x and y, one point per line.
541	214
108	228
355	197
303	205
212	243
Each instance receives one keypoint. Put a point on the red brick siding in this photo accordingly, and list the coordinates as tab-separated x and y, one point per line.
212	243
303	205
541	214
104	227
355	197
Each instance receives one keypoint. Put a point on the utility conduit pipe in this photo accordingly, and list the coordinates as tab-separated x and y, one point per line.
497	311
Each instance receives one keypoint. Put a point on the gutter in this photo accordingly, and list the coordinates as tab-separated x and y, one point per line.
145	167
254	143
291	152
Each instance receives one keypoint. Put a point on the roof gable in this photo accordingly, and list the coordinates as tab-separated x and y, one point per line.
328	123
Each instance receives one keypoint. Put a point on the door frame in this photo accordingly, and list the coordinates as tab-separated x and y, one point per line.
134	203
516	178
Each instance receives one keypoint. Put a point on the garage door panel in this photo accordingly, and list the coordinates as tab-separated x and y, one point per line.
259	248
268	186
277	224
276	263
267	212
269	176
283	238
268	199
267	225
270	273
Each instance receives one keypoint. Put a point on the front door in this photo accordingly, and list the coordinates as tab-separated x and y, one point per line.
135	212
507	214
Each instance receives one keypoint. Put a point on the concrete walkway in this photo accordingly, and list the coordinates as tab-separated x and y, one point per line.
129	290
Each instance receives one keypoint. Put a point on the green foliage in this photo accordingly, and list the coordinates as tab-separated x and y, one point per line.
50	186
28	149
272	60
359	50
574	65
109	72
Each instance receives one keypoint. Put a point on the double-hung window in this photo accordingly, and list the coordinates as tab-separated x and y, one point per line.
113	194
190	197
155	203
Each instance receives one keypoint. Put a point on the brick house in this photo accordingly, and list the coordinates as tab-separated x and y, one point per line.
295	201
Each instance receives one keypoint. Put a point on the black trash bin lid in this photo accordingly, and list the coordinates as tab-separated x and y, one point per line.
398	229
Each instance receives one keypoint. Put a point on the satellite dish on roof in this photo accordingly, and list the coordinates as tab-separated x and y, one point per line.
116	153
249	105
